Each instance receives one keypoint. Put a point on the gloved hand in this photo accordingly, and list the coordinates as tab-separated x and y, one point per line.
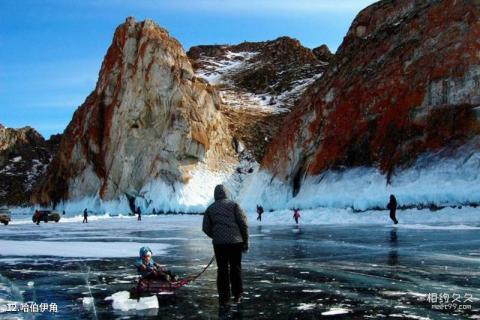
245	247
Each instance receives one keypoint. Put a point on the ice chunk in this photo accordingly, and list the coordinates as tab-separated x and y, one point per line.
335	311
306	306
121	301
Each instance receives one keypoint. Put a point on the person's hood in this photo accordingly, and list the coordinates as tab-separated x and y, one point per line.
144	250
220	192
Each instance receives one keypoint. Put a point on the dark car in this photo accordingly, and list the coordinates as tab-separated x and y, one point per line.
5	216
45	216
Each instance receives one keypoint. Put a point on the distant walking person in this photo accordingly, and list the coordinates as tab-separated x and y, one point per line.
259	212
85	216
139	214
37	216
296	215
226	223
392	206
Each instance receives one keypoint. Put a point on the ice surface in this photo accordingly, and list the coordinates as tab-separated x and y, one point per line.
467	218
367	268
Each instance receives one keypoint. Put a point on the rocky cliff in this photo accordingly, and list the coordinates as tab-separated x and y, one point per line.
404	82
24	157
259	82
149	119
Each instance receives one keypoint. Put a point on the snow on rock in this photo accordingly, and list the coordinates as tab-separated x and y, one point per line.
217	71
24	157
159	196
268	75
443	178
258	83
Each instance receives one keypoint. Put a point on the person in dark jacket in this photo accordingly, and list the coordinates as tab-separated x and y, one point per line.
85	216
226	223
139	214
392	206
259	212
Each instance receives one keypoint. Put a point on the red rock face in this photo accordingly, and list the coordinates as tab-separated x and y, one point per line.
148	118
405	80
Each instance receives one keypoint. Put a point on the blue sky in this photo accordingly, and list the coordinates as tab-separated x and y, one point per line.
51	50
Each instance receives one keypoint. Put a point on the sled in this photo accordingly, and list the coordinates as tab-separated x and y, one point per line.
162	288
150	287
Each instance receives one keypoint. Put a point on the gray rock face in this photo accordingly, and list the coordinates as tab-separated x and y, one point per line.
148	119
24	157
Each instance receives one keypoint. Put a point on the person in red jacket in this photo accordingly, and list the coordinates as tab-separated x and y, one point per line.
296	215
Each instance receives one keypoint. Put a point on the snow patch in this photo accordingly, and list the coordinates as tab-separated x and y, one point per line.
215	70
77	248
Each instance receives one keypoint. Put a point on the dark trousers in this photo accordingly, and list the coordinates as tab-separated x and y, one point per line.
393	216
229	263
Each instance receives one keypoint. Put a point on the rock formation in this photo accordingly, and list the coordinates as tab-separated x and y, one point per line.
24	157
259	82
149	118
405	81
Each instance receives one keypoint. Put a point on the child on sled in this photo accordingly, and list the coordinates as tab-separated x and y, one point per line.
149	270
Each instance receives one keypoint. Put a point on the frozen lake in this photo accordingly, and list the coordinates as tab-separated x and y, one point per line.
347	271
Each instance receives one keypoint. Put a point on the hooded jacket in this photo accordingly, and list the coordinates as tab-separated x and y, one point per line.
224	221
